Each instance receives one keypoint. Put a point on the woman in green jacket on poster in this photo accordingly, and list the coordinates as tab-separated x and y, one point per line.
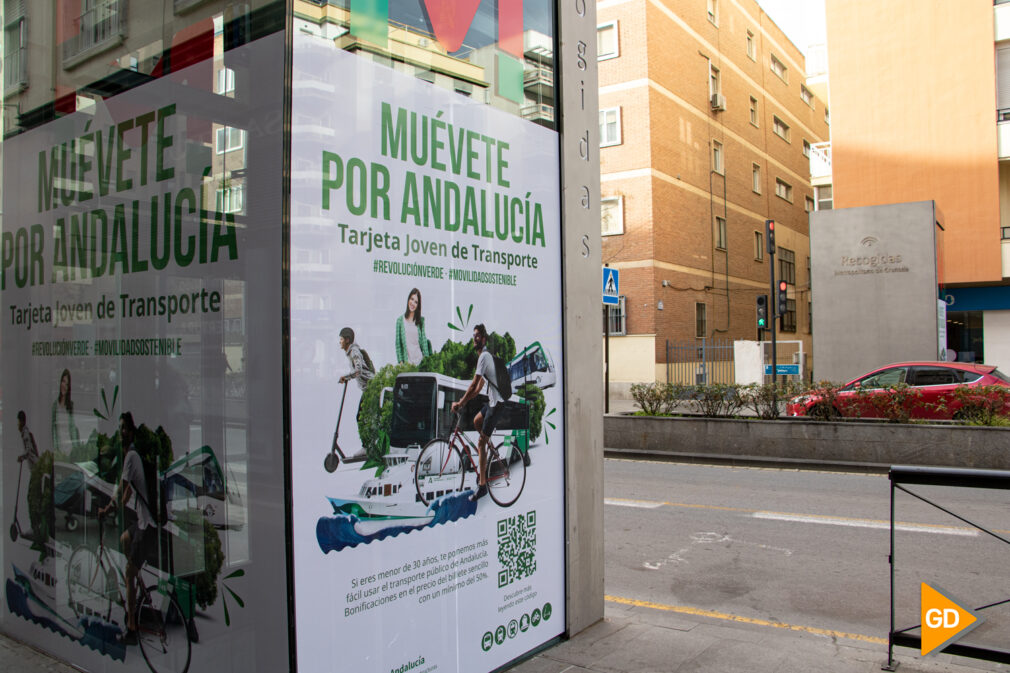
411	343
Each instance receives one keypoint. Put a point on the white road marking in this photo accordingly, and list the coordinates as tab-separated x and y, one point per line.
866	523
643	504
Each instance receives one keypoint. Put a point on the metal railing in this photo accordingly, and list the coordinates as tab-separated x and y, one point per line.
538	111
700	361
103	23
902	476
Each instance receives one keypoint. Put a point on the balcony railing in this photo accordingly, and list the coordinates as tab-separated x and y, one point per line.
820	160
103	24
538	111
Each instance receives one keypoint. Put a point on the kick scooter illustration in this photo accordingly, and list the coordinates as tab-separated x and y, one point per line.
333	458
16	526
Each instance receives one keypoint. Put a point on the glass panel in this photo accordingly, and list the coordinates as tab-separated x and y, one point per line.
439	214
156	296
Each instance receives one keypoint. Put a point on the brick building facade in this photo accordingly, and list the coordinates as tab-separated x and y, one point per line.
706	126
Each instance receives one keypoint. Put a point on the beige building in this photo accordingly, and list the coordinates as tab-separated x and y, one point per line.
922	112
706	128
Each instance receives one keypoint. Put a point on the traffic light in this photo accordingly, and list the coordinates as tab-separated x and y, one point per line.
770	235
762	311
782	297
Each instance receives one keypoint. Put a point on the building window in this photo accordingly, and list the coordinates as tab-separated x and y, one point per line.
230	199
822	195
618	317
810	317
779	68
783	190
225	80
806	148
612	216
759	246
720	233
781	128
700	321
229	139
606	41
610	127
755	178
808	204
1005	235
101	24
787	266
827	117
717	156
751	51
806	95
15	48
713	11
788	323
753	111
714	80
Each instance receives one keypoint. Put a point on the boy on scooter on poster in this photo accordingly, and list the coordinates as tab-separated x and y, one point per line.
31	453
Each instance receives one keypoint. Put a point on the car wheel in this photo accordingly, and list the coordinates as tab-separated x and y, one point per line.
824	412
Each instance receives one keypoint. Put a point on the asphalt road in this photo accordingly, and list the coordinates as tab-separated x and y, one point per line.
801	548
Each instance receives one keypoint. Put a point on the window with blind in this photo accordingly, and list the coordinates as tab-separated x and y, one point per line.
1003	83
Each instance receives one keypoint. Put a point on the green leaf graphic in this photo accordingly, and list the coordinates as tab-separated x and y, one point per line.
469	313
238	573
460	314
234	595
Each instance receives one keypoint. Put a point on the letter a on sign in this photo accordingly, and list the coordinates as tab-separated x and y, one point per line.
943	620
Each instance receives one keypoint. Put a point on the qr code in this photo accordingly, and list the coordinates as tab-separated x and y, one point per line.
517	548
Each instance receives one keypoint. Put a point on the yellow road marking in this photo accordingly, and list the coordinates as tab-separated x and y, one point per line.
696	612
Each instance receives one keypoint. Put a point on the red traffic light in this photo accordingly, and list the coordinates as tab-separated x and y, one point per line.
782	286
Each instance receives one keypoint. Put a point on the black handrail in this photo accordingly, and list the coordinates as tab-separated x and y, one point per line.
901	475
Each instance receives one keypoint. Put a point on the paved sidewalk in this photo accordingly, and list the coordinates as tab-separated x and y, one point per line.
634	639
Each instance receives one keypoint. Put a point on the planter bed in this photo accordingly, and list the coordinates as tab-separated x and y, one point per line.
795	441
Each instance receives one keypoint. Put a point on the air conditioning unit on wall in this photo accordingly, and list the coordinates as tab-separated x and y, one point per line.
718	101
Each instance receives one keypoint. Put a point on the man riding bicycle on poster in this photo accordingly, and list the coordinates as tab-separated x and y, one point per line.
487	418
136	539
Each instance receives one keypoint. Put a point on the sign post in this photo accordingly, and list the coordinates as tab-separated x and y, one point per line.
611	297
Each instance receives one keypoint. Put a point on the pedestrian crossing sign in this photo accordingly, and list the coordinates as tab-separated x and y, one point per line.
611	287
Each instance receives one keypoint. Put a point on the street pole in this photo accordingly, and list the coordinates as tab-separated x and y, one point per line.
772	309
606	357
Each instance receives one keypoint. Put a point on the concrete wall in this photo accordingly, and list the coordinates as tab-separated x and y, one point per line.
632	358
875	280
583	406
810	441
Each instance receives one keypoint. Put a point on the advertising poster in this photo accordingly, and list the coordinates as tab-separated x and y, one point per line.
420	215
142	421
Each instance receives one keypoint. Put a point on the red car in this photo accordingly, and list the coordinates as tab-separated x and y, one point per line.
933	381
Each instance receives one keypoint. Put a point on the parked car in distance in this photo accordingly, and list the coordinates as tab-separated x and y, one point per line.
933	381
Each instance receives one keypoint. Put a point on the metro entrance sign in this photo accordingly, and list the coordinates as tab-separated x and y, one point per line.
611	287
